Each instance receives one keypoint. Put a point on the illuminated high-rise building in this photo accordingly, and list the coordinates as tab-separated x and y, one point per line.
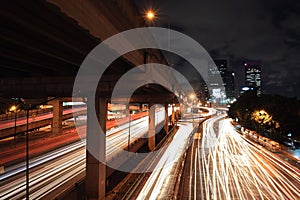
253	76
220	67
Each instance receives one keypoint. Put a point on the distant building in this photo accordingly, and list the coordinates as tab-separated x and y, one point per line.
220	67
229	80
253	76
203	92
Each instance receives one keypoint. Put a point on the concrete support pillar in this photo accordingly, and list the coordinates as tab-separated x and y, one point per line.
151	131
57	116
166	125
173	115
96	170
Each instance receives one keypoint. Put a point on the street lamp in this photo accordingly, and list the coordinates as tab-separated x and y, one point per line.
150	15
27	143
129	130
14	109
192	97
27	153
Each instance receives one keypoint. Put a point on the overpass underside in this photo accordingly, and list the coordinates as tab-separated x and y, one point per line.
43	46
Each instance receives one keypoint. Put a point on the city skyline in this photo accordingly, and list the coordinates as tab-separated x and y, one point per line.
253	76
263	31
97	104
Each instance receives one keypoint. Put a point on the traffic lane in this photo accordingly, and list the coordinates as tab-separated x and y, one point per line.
156	186
17	153
138	127
138	130
48	174
51	173
234	170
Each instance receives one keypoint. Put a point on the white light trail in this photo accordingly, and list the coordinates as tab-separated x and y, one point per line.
236	169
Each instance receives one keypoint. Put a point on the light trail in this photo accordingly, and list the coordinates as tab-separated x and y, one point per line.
161	183
158	180
48	177
234	168
52	170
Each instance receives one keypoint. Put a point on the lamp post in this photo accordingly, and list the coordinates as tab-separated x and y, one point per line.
15	132
14	109
150	17
27	144
129	130
157	117
27	154
192	97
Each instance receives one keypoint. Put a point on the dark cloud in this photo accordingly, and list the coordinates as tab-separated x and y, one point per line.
262	30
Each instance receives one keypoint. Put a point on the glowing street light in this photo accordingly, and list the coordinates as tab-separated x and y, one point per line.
13	108
150	15
192	96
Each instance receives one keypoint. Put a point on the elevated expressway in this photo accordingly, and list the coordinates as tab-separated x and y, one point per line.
8	129
43	46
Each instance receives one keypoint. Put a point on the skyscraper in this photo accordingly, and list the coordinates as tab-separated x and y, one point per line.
229	80
253	76
220	67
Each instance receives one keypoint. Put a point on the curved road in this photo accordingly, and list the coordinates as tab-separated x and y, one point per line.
224	165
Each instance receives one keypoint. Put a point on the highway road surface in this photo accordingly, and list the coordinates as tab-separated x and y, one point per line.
158	184
55	170
224	165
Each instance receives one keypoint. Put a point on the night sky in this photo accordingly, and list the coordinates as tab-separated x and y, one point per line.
258	30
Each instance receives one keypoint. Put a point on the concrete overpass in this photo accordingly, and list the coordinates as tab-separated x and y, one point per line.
43	46
7	129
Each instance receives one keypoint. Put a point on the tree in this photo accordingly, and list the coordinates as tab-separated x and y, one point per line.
269	114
